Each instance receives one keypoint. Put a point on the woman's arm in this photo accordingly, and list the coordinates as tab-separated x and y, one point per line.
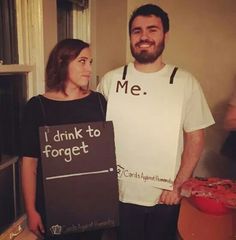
29	172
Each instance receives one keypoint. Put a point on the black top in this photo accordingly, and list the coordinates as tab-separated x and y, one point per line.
41	111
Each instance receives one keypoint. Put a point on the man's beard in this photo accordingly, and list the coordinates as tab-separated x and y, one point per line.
144	56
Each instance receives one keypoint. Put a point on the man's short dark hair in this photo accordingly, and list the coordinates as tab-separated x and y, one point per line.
147	10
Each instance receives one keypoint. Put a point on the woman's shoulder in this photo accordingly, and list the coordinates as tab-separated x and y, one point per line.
98	95
31	109
33	101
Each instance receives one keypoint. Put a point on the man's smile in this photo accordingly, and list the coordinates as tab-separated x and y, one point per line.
144	44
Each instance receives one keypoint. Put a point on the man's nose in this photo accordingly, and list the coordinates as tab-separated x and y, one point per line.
144	35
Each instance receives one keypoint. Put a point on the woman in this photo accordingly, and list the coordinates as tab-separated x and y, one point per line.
67	100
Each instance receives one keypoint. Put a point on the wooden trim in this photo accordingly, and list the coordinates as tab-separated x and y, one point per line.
17	226
16	68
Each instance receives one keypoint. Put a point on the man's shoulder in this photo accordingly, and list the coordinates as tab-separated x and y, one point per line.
115	71
113	75
108	79
182	73
180	70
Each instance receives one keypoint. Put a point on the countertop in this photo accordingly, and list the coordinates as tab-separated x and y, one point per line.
18	231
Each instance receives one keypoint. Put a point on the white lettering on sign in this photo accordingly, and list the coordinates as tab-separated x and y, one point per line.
93	132
65	152
64	135
68	136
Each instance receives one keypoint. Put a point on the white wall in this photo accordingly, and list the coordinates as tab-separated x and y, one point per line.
108	35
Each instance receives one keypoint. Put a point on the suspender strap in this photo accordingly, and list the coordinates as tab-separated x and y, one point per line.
101	107
173	75
124	72
42	108
43	113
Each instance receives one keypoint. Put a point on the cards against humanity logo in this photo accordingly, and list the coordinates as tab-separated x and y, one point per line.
56	229
120	170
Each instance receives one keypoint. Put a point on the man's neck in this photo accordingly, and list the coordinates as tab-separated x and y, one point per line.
150	67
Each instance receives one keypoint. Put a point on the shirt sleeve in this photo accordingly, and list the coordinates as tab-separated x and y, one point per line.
29	130
197	112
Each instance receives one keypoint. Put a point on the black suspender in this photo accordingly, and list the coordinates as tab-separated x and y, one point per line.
124	72
171	76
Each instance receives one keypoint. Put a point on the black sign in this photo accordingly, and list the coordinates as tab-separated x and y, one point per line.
80	179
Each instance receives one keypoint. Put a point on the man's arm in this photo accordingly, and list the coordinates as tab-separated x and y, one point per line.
193	147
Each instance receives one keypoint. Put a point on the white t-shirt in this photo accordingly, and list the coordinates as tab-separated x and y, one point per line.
149	116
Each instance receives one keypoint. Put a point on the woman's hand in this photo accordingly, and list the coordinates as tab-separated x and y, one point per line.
35	224
28	174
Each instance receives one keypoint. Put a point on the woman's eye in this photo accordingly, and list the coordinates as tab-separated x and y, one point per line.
82	61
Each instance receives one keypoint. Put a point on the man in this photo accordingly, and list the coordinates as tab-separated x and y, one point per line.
159	114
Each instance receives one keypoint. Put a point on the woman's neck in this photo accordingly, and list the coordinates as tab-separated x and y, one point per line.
70	94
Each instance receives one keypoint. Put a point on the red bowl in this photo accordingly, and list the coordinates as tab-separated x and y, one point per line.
209	205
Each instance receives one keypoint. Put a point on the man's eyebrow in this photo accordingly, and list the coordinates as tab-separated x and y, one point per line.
135	28
153	26
148	27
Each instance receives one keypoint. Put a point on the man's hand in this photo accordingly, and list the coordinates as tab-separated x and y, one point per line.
170	197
